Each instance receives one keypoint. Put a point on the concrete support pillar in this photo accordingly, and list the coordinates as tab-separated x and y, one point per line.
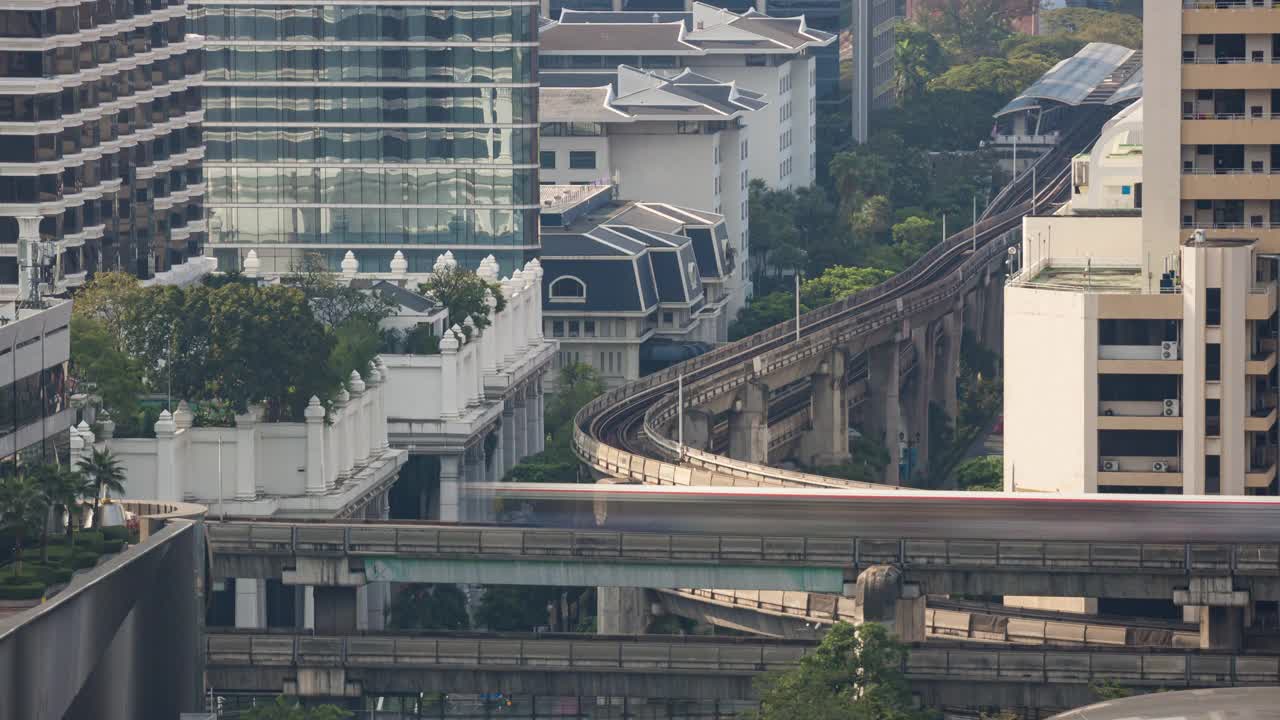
884	413
697	429
622	611
508	438
521	428
1222	628
540	417
949	372
1223	611
335	610
993	315
371	606
827	442
308	594
918	407
882	597
450	471
495	471
749	424
251	603
531	420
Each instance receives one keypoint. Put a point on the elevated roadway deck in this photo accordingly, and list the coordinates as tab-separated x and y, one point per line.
821	560
687	667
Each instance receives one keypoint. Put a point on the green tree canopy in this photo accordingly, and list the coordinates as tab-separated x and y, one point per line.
971	29
1088	25
286	709
918	58
854	674
981	473
1001	77
764	311
462	292
837	283
428	607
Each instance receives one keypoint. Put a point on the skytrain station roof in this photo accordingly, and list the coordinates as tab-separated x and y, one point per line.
1099	74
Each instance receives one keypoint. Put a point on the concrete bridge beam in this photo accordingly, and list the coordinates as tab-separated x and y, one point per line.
1222	609
827	442
749	424
884	413
623	611
883	597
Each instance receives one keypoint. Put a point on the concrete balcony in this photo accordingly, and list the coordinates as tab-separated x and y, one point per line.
1260	477
1231	130
1261	421
1136	360
1261	303
1208	17
1139	471
1138	422
1233	185
1261	364
1210	74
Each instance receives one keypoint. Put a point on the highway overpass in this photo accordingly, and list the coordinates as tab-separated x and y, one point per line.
328	554
686	667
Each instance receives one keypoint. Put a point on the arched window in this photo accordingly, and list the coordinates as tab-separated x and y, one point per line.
568	287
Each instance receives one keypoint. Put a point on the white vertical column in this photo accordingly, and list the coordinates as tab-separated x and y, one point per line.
167	466
246	458
372	414
449	395
354	428
338	432
449	490
251	603
314	416
381	418
308	608
497	467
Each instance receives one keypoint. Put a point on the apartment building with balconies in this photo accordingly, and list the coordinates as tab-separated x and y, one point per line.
1163	360
100	142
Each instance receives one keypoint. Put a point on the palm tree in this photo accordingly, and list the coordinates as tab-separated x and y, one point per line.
102	470
62	488
21	508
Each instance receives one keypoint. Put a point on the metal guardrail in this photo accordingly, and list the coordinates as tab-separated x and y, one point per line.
560	653
947	619
1016	556
1168	669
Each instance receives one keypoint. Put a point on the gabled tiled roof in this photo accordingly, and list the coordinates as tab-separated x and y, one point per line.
705	30
634	93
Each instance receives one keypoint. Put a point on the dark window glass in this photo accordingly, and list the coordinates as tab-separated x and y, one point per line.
582	159
547	160
1213	306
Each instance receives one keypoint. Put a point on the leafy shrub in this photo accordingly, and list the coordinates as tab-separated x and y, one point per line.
22	591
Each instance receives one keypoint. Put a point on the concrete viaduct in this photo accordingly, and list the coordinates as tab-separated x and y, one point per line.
687	667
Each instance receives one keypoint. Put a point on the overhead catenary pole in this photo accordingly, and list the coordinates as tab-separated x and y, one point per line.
680	411
975	223
797	276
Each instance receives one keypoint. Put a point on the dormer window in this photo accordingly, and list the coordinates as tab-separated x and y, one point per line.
567	288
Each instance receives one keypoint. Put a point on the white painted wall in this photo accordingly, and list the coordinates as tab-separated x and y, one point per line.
1050	427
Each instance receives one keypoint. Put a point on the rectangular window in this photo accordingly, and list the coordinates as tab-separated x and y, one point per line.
582	159
589	328
573	328
1213	362
668	318
1213	307
557	328
547	159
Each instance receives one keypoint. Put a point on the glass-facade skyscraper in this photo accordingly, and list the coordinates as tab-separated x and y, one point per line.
336	126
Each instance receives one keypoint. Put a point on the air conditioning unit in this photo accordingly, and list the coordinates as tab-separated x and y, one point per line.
1169	350
1159	466
1171	407
1110	466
